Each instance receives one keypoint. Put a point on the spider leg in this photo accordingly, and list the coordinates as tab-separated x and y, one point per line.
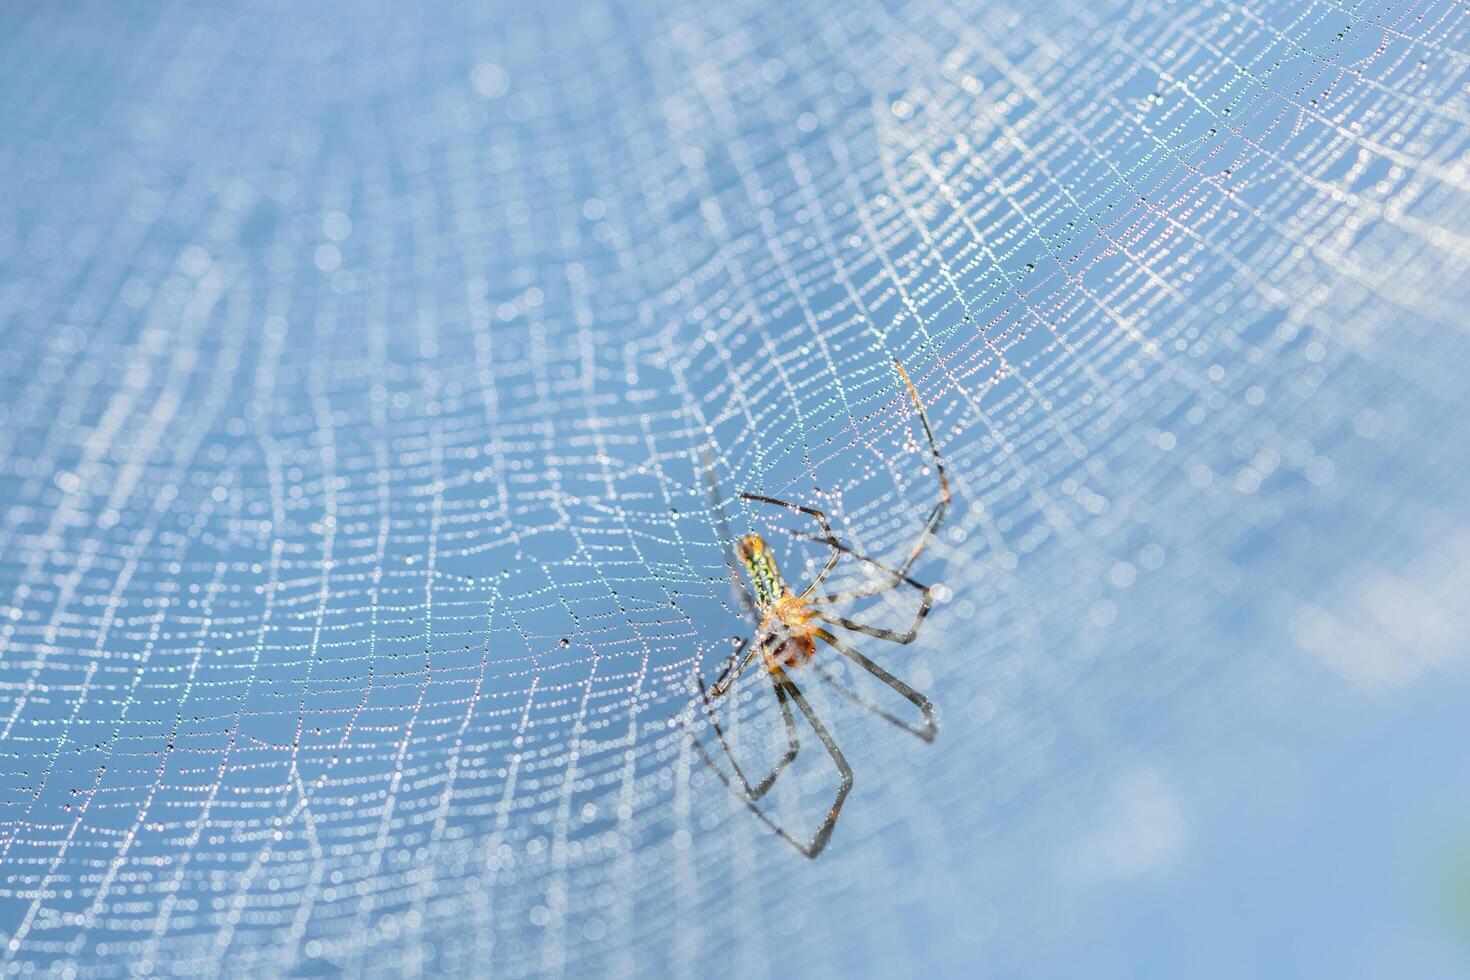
732	572
826	537
899	575
937	514
844	771
793	745
734	667
893	636
727	680
787	692
896	578
929	729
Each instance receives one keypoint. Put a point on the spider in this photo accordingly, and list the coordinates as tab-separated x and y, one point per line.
789	626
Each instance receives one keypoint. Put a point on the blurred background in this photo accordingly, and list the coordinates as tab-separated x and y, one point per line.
358	556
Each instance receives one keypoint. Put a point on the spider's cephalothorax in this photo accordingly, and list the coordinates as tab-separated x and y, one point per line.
787	619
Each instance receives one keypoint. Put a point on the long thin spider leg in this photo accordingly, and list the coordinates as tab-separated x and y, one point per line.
936	517
726	680
844	771
926	709
732	571
793	744
827	536
896	578
818	841
907	636
931	524
926	732
937	514
892	636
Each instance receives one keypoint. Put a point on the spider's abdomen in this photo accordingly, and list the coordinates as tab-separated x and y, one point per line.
786	652
792	633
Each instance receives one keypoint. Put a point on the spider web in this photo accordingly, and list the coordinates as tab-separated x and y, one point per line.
356	558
